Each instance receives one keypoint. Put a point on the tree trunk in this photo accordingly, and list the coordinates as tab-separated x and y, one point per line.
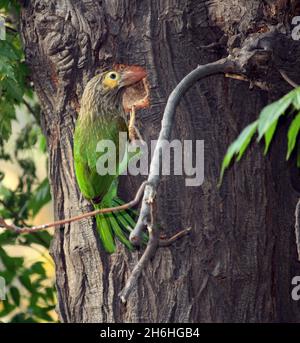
238	263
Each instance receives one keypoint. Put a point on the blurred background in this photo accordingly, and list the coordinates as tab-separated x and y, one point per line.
25	199
19	293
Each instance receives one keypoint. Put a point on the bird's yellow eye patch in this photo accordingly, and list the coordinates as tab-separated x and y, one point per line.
111	79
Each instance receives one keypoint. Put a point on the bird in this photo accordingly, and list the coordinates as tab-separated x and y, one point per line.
102	117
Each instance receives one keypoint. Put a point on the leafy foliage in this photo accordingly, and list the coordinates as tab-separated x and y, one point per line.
30	295
265	127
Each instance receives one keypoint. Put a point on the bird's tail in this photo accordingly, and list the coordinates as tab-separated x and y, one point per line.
115	225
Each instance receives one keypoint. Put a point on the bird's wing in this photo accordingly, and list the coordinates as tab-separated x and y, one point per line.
91	183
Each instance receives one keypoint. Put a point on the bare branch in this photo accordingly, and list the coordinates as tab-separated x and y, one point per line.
224	66
59	223
148	212
149	252
287	79
153	243
165	242
262	85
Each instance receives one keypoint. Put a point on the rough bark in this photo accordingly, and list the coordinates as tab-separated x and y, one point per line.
238	262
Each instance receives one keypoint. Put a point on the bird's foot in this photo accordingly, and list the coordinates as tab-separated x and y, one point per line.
133	132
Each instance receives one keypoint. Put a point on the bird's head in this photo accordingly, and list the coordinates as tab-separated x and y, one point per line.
128	76
104	91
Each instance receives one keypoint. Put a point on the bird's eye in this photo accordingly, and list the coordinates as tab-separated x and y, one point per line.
111	79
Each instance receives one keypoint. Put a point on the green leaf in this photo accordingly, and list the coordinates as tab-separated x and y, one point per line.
7	237
40	197
15	294
43	143
41	238
26	282
238	147
8	275
270	114
28	166
42	313
4	4
13	89
269	135
10	263
5	192
7	50
298	155
296	101
6	68
7	114
245	138
7	308
38	268
50	294
22	318
292	135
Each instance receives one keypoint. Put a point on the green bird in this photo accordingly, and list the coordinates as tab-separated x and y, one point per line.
102	117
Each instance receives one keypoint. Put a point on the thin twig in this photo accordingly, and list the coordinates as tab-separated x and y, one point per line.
297	228
262	85
59	223
31	110
165	242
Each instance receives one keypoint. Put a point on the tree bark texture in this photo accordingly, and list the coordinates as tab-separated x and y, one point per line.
238	262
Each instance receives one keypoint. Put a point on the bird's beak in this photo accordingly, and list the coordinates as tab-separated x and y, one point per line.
131	75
